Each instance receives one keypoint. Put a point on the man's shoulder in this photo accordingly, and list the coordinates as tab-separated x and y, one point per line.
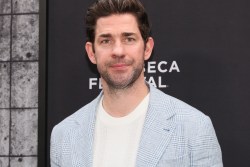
178	108
78	118
181	114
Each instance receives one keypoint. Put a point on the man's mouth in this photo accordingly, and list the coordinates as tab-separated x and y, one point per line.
119	66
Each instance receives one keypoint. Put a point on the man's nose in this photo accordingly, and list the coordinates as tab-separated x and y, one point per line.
118	50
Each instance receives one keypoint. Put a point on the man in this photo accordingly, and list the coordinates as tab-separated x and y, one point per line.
130	123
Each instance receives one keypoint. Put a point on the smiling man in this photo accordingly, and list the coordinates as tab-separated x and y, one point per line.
130	123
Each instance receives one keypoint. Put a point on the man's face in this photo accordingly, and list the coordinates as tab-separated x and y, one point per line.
119	50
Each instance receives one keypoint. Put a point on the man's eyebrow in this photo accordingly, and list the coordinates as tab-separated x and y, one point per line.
126	34
108	35
104	35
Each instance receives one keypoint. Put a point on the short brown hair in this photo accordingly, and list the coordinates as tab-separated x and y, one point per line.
102	8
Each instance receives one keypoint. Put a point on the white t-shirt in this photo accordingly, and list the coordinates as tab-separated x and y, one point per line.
116	140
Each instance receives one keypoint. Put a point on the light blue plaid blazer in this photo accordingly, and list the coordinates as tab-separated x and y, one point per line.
174	135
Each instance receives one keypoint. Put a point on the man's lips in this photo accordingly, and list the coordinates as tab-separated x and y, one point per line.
119	66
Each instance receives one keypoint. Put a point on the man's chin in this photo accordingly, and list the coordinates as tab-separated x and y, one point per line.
119	84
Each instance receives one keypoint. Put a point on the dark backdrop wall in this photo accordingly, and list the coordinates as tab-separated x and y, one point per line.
201	56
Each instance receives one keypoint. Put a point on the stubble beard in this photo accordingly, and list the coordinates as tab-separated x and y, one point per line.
116	83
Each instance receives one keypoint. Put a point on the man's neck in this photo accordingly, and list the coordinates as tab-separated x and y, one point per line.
120	103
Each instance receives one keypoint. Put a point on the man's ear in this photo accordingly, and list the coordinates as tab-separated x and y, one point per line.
90	52
148	48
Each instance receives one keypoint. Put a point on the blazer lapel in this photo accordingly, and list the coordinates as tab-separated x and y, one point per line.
157	131
82	138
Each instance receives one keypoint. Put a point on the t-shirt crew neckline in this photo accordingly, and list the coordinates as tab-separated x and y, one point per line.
116	121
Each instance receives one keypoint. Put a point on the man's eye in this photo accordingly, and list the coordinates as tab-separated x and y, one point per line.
105	41
130	39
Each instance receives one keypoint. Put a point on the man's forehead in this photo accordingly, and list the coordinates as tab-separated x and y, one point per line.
117	24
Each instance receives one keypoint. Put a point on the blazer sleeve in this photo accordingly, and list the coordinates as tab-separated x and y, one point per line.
204	147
